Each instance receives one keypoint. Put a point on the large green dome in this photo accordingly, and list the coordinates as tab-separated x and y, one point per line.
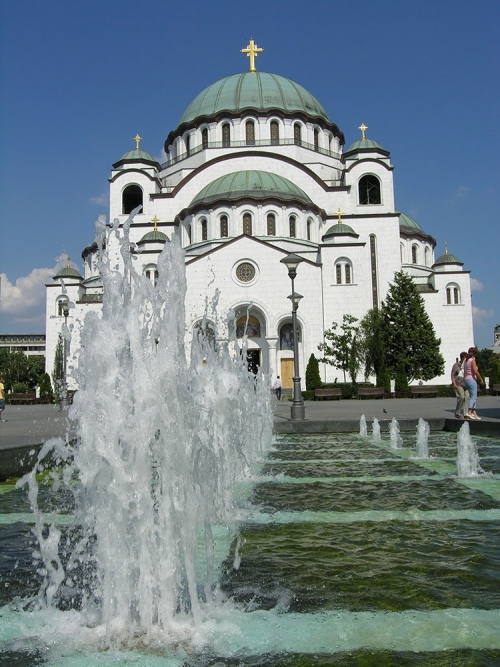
254	184
253	90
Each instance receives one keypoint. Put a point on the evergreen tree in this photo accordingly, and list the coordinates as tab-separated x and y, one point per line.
341	350
45	386
58	372
373	348
410	344
313	377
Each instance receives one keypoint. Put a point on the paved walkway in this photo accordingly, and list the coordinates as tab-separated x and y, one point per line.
29	426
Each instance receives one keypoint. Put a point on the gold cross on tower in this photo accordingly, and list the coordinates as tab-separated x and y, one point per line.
446	247
156	221
339	213
137	140
363	129
252	50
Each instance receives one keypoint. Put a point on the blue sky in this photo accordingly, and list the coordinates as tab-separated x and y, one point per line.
80	78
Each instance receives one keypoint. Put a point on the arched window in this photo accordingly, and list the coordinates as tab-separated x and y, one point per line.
369	190
226	135
250	133
204	333
204	229
427	255
151	273
188	230
224	231
452	295
204	138
414	254
271	224
62	304
247	224
309	227
275	133
292	226
297	134
248	326
343	272
316	139
286	336
188	144
131	198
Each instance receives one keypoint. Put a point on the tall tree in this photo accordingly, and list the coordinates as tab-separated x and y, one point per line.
340	350
313	377
58	372
373	346
410	343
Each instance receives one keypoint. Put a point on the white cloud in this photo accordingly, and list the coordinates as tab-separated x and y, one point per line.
460	193
476	285
481	315
101	200
22	304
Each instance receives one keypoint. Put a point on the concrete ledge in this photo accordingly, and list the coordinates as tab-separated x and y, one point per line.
17	461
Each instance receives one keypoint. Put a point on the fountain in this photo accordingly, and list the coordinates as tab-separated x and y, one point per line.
376	437
422	439
467	454
363	430
161	441
395	436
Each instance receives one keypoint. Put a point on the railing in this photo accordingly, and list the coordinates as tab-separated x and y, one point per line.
250	143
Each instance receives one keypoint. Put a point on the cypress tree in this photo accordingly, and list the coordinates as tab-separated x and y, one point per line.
313	377
410	343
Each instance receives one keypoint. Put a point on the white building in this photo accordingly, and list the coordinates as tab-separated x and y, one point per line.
256	170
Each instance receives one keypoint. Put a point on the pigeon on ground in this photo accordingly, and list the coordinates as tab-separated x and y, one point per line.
384	410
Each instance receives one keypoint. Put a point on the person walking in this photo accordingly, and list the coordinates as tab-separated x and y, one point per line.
461	391
2	398
471	375
277	388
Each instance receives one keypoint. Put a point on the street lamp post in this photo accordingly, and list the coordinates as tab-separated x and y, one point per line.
298	410
64	402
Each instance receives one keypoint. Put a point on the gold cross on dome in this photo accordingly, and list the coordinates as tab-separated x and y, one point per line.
156	221
69	263
252	50
137	140
446	247
339	213
363	129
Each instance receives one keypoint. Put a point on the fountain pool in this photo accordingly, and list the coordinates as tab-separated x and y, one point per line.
341	552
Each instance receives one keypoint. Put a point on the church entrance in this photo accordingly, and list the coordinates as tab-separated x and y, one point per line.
253	360
287	373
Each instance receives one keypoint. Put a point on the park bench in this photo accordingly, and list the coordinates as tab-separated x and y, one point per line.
23	399
333	391
496	389
424	389
370	391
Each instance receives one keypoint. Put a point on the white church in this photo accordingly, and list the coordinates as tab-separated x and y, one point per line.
256	170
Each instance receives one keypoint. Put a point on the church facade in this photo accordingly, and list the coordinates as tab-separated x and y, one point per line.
256	170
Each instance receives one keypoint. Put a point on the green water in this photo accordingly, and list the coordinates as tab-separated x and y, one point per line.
349	554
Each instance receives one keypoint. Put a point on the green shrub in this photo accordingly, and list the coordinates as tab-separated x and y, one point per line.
45	386
21	388
308	395
446	391
401	383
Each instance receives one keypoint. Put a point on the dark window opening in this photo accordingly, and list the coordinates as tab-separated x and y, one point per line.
250	133
297	134
292	226
224	231
204	231
204	138
131	198
226	136
271	225
275	133
369	190
247	224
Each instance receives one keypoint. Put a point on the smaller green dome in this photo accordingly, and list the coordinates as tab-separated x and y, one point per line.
339	230
447	258
68	272
366	144
410	223
154	237
137	154
254	184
